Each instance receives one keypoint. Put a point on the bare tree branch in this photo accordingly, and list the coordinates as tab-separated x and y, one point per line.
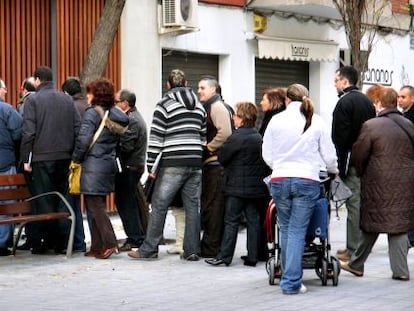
358	23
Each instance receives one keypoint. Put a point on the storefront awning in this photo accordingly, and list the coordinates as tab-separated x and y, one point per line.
297	49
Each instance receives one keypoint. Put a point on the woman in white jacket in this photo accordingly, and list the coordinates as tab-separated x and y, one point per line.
293	144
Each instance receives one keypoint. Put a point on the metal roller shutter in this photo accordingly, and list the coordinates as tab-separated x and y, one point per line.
273	73
194	66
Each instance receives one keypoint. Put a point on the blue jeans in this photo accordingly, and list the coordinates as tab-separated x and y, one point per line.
79	239
169	181
234	208
6	231
295	200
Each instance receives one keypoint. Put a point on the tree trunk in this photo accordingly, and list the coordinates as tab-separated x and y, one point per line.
101	45
352	12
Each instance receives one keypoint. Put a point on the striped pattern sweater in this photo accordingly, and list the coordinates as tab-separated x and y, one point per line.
178	129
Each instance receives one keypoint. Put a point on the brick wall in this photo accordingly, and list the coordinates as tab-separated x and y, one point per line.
400	6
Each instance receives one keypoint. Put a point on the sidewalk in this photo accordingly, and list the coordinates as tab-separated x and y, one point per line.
50	282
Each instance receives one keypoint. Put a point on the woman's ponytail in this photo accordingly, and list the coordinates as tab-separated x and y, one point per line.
298	92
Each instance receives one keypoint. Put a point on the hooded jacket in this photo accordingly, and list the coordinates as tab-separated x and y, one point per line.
178	129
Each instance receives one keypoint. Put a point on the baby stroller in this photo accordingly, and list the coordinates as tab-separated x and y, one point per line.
316	255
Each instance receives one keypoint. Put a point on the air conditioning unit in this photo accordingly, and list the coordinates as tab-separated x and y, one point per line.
179	13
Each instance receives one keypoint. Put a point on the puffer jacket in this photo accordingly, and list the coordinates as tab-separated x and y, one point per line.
383	156
244	168
99	164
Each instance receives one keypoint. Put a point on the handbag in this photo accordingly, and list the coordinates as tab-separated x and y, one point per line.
340	192
75	169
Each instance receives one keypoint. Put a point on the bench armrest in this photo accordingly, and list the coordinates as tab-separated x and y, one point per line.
68	206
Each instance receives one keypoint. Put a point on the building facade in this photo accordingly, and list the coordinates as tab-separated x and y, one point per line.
299	43
249	45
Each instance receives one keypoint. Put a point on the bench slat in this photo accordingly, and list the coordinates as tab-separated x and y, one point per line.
14	194
15	208
33	218
15	201
12	180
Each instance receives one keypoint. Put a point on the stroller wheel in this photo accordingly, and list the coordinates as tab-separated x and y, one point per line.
324	272
318	268
271	270
336	268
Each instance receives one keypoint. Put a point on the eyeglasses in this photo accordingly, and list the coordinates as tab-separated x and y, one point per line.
118	101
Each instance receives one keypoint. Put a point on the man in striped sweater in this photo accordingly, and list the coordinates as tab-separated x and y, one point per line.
178	130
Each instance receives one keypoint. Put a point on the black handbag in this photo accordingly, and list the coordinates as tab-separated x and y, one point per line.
150	182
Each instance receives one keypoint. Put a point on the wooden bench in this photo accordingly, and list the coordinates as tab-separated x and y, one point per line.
15	202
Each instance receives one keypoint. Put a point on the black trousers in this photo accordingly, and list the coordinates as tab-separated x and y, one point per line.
127	204
212	210
48	176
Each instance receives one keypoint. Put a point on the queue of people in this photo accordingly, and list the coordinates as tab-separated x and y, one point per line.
215	161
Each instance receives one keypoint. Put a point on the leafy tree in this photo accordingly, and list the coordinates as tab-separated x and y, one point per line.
98	54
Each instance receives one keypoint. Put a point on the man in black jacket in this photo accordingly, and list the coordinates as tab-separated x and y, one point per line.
50	125
133	149
351	111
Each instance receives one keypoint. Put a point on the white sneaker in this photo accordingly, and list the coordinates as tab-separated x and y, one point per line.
302	289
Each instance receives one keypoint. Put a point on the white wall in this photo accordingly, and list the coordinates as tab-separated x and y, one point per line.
141	54
221	33
391	58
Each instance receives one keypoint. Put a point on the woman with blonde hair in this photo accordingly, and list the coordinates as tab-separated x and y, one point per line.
293	144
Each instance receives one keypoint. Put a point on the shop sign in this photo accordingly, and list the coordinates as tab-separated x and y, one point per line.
378	76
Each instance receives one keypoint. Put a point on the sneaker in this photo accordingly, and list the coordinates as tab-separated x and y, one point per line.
302	290
175	250
192	257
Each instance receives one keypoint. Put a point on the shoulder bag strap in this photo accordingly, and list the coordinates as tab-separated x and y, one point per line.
99	131
403	128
